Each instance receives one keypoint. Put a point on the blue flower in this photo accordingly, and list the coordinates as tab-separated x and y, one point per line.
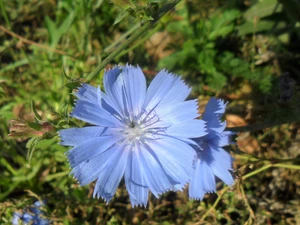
212	160
139	133
33	216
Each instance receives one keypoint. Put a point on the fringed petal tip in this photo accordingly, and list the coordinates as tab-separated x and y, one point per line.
196	197
214	109
133	205
106	197
221	106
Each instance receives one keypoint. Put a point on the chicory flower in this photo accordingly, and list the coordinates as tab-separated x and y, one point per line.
139	133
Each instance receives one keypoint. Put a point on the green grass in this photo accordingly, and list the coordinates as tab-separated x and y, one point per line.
48	47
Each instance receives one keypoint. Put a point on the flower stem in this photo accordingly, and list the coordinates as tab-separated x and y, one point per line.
166	8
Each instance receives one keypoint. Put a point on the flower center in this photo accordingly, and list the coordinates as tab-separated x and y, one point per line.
134	132
142	128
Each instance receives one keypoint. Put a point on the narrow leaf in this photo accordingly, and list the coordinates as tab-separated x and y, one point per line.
37	116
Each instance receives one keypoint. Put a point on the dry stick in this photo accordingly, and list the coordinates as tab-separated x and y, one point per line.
166	8
29	42
252	215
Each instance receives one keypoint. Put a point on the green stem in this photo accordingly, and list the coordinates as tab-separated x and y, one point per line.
287	166
256	171
149	34
166	8
122	38
253	159
56	175
265	167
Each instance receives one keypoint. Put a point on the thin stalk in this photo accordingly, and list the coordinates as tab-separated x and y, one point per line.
149	34
122	38
222	192
252	215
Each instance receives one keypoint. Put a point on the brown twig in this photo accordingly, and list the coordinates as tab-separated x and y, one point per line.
29	42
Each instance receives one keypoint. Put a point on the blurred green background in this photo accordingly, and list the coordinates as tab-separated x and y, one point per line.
244	51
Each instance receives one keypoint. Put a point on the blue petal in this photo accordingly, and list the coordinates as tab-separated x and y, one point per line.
108	180
26	217
91	148
116	92
215	129
221	156
16	218
176	158
135	181
157	179
202	181
89	170
213	112
76	136
113	88
187	129
164	91
95	96
208	178
92	113
40	221
134	87
36	208
215	107
225	138
181	112
221	164
223	174
89	93
39	204
196	190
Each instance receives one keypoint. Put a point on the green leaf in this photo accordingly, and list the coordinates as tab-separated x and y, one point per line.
262	9
121	16
33	125
223	31
56	32
73	85
31	146
37	116
14	65
51	27
259	26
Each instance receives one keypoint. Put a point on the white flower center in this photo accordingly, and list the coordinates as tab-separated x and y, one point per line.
141	128
134	132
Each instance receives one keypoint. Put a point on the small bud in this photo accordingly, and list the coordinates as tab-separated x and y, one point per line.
23	129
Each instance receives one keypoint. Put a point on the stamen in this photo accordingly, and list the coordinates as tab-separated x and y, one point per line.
140	129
